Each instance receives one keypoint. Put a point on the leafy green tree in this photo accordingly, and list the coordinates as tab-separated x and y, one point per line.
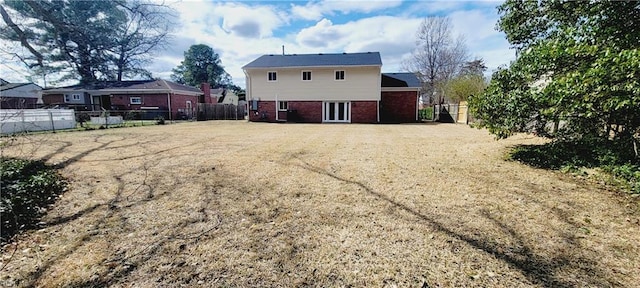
577	74
470	81
201	64
89	40
463	86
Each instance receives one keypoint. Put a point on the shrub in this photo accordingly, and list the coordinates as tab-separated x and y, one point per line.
28	188
614	157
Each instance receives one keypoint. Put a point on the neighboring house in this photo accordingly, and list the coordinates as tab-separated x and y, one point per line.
225	96
19	95
345	87
158	95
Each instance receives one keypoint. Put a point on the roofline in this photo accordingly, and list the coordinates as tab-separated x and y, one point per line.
391	89
314	66
20	85
123	91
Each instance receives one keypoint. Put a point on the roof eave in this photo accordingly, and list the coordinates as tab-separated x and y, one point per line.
308	67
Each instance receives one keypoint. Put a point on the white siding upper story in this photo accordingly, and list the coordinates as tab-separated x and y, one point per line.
360	83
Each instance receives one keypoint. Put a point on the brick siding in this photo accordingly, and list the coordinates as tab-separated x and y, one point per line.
398	106
364	111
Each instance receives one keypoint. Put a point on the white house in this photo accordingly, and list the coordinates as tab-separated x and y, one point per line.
343	87
318	87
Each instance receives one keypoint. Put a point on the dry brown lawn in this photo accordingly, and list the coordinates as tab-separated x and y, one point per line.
249	204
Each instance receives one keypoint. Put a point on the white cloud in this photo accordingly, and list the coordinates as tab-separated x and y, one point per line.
320	35
315	10
392	36
241	32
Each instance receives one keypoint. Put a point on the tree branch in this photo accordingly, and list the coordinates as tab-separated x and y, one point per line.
21	35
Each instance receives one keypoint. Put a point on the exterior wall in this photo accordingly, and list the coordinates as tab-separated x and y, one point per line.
179	102
123	101
311	112
58	99
17	103
364	111
265	113
53	99
398	106
305	111
361	83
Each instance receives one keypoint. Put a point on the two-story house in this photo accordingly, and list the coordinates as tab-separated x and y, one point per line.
318	87
322	88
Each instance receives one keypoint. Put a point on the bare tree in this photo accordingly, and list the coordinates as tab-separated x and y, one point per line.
438	56
145	31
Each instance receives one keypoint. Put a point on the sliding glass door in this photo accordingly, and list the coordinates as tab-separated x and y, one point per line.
336	112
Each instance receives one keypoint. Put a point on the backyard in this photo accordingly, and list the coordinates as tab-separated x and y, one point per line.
230	203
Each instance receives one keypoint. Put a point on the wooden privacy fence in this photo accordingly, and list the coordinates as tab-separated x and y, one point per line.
30	120
207	111
453	113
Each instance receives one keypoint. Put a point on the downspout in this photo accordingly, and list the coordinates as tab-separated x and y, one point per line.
379	94
248	97
169	103
417	104
277	109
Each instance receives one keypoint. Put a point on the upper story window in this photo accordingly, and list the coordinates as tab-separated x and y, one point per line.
339	74
306	75
135	100
272	76
72	97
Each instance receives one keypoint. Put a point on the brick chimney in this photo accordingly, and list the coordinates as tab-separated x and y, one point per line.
206	89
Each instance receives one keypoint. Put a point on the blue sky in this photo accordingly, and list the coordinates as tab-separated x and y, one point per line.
240	31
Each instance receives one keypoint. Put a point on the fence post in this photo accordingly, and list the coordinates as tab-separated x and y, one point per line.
53	126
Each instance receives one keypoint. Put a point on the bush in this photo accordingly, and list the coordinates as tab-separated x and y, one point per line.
28	188
426	113
159	120
614	157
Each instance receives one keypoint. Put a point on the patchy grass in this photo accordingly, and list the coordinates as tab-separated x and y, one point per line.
251	204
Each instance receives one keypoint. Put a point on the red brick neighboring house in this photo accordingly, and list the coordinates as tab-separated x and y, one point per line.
19	95
160	95
329	88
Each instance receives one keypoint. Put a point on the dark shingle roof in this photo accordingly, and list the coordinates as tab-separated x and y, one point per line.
400	80
316	60
7	86
132	85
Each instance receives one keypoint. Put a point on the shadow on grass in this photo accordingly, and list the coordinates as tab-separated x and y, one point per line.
143	190
538	269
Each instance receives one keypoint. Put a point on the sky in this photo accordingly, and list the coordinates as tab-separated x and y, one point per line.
241	31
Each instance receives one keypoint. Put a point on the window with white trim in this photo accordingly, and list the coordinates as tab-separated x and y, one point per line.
339	75
135	100
283	105
272	76
306	75
72	97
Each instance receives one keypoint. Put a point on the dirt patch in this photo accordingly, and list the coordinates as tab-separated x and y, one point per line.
249	204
